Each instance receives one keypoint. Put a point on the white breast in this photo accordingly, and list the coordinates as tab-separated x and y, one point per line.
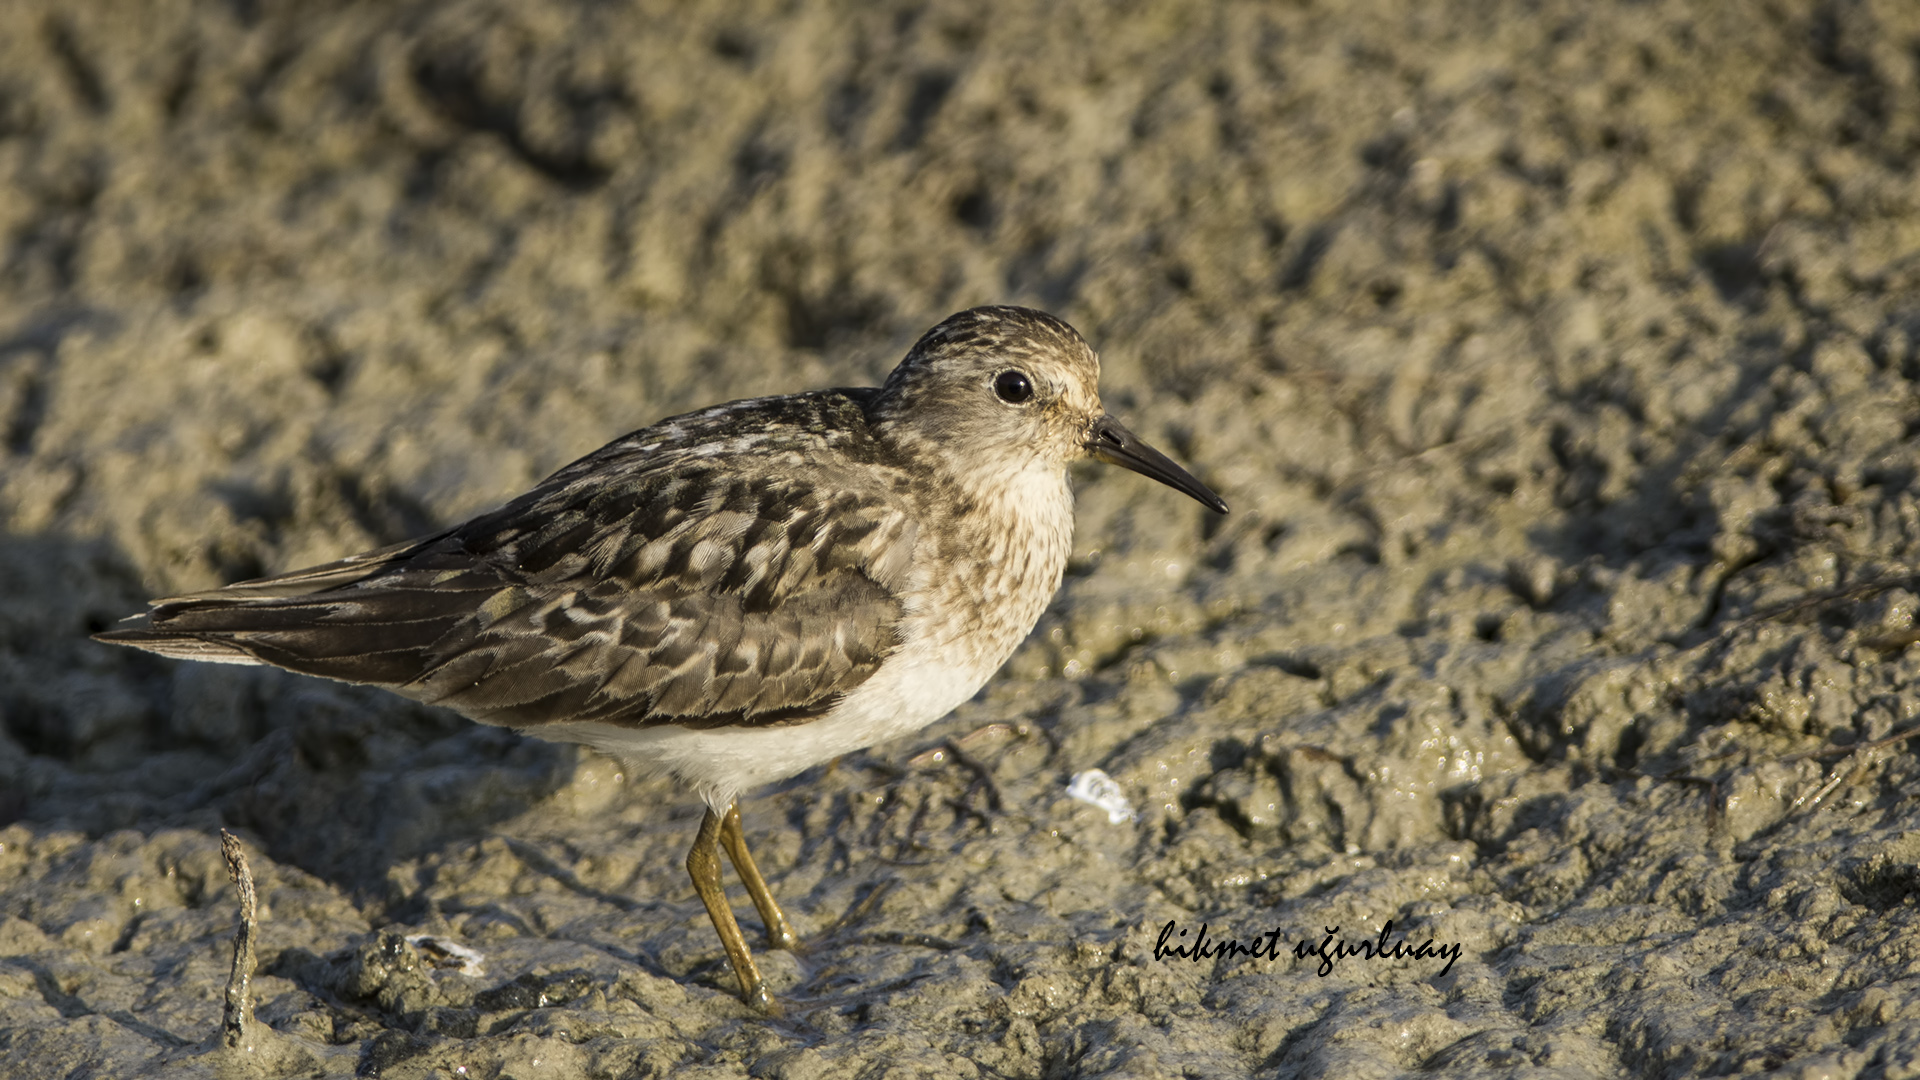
911	690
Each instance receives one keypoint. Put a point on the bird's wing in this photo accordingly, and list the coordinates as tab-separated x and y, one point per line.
649	583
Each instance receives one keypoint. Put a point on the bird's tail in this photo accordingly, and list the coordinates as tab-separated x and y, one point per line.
314	620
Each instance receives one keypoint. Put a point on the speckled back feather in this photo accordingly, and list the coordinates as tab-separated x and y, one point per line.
651	582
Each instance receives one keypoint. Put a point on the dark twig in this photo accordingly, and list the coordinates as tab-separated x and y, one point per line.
1812	601
1856	759
239	1011
913	829
897	937
860	910
979	769
961	808
1845	751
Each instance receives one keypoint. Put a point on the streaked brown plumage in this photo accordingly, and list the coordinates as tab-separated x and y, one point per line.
732	595
651	582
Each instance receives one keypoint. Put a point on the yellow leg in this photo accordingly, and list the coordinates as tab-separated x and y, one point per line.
703	866
780	933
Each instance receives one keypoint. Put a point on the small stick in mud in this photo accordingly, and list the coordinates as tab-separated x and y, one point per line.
239	1011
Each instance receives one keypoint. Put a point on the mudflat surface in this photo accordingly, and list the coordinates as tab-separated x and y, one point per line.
1556	358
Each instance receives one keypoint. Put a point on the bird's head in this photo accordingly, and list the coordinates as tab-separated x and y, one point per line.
1010	388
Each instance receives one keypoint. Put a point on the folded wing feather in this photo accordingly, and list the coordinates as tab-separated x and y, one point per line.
640	589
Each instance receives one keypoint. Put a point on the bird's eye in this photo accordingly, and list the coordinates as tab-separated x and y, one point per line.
1013	387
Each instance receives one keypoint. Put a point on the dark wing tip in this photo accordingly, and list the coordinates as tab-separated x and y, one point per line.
178	646
126	631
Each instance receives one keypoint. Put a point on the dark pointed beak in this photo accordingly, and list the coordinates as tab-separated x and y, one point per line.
1115	445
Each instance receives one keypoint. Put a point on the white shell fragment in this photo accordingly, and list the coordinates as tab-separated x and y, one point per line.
1098	789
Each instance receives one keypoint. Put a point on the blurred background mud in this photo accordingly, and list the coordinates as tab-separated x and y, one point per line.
1557	359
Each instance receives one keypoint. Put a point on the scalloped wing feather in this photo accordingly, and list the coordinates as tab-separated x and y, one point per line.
655	581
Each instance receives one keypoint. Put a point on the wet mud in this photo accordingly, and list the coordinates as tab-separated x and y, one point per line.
1557	360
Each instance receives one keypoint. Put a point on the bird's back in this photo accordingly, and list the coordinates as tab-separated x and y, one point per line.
743	565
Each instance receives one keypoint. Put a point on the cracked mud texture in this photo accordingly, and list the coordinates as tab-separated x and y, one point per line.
1556	358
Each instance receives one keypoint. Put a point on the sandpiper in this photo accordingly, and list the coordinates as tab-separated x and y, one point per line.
732	595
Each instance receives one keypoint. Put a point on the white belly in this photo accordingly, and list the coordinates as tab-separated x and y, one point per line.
911	690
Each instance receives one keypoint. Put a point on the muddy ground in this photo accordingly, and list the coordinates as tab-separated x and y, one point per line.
1556	358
